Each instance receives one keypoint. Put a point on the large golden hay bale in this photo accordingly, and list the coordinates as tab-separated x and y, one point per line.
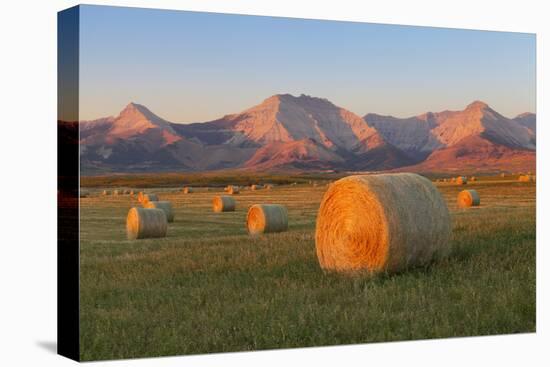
384	222
525	178
166	206
468	198
187	190
232	190
266	218
146	223
461	180
223	203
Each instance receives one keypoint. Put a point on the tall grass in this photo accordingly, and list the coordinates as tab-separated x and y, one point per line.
209	287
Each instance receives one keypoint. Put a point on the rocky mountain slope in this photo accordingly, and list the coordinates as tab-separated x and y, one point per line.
285	132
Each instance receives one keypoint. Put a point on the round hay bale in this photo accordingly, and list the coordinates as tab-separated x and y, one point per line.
384	222
187	190
453	179
268	186
524	178
256	187
116	192
149	197
223	203
106	192
146	223
467	198
502	174
233	190
473	178
461	180
166	206
140	197
266	218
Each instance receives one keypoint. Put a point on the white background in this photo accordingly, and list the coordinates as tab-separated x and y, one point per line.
28	181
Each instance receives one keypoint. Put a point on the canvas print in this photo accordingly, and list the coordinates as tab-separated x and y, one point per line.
239	183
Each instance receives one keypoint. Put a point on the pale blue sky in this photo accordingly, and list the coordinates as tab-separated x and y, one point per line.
190	67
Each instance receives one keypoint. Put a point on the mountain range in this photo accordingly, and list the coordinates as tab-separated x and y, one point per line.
306	133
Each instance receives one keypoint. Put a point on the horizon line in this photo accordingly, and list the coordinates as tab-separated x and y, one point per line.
300	95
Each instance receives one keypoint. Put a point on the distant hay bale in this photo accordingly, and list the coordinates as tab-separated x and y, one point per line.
473	178
166	206
131	192
83	193
116	192
502	174
268	186
223	203
146	223
256	187
232	190
453	179
266	218
461	180
187	190
525	178
145	198
106	192
468	198
384	222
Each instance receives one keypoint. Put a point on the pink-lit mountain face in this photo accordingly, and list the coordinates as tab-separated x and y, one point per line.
307	133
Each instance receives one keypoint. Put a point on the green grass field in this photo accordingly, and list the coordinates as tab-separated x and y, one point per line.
209	287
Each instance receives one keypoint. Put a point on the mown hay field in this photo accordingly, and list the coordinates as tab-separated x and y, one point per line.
210	287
